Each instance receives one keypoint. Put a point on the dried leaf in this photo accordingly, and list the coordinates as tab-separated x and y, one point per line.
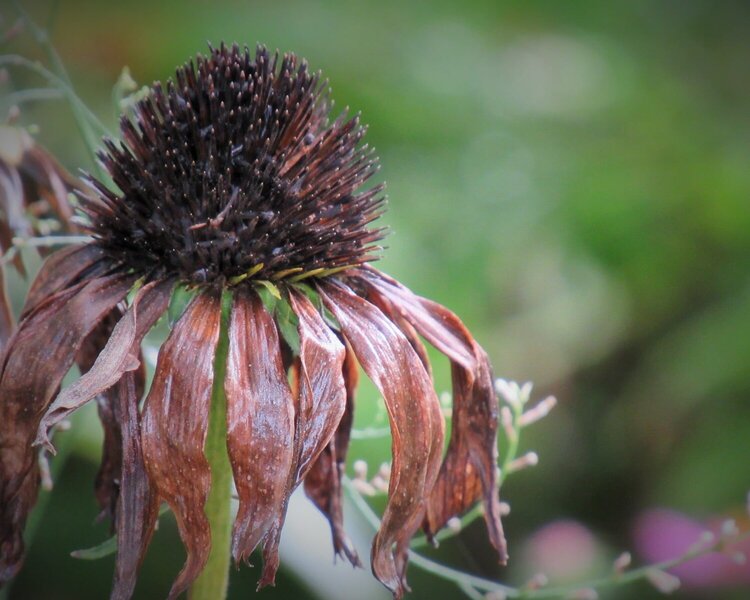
61	270
395	368
107	482
175	422
138	503
119	355
37	357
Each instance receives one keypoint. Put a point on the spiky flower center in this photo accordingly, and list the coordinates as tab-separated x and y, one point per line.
235	173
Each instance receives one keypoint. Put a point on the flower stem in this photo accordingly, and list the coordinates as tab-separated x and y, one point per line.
213	581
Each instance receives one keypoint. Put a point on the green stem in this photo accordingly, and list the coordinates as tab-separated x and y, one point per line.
213	581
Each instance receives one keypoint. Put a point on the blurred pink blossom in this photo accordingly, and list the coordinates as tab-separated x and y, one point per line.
562	550
663	534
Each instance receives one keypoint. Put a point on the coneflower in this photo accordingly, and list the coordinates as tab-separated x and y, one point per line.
34	191
234	185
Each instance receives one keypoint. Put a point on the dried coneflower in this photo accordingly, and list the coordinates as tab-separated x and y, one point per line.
34	191
233	181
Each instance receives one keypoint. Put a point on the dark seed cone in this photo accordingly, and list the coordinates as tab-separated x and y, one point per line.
234	173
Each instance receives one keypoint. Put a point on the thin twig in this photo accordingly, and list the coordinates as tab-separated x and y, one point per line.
42	242
33	95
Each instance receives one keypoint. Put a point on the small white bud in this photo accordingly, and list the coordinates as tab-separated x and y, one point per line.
360	469
509	391
525	392
380	484
530	459
365	488
622	562
541	410
537	581
707	537
729	528
665	582
454	524
45	475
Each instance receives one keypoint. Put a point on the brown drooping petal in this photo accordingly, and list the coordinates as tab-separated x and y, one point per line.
442	328
260	423
47	179
322	393
323	481
320	404
37	357
107	482
436	413
59	271
469	470
137	506
389	360
119	355
175	422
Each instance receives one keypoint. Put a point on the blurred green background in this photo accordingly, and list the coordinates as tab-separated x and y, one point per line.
571	178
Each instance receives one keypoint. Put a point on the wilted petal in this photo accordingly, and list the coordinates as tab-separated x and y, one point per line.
38	355
50	181
107	482
175	422
320	404
393	365
138	505
323	481
119	355
442	328
61	270
469	470
322	394
260	424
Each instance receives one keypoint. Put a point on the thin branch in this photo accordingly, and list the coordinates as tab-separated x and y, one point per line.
42	242
33	95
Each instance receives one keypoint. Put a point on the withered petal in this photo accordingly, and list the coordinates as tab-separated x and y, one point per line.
442	328
59	271
51	180
392	364
322	393
119	355
175	422
107	482
260	425
38	355
469	471
323	481
319	406
138	504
